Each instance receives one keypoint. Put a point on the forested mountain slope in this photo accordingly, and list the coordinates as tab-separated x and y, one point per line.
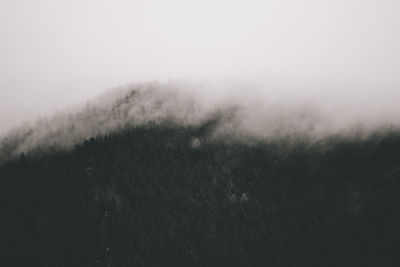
166	194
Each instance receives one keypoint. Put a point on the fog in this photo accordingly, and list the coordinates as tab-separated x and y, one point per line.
338	58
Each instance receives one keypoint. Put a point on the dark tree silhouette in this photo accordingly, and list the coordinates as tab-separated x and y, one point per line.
147	196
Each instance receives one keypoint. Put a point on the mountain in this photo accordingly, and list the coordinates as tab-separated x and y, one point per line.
154	186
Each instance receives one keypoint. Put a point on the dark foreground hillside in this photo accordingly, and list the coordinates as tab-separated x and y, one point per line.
169	196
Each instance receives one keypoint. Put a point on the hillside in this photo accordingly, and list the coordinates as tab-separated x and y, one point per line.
151	175
164	194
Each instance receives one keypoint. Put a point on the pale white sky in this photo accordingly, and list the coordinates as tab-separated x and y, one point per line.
54	53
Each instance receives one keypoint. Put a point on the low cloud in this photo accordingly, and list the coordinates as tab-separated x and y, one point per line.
244	109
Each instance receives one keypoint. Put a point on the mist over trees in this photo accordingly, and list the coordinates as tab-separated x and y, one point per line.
150	175
244	112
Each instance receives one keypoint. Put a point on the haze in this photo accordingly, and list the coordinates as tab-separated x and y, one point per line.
56	53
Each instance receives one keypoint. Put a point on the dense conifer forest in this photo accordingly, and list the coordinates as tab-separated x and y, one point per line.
171	195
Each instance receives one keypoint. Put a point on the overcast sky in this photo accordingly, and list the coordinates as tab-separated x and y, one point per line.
54	53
